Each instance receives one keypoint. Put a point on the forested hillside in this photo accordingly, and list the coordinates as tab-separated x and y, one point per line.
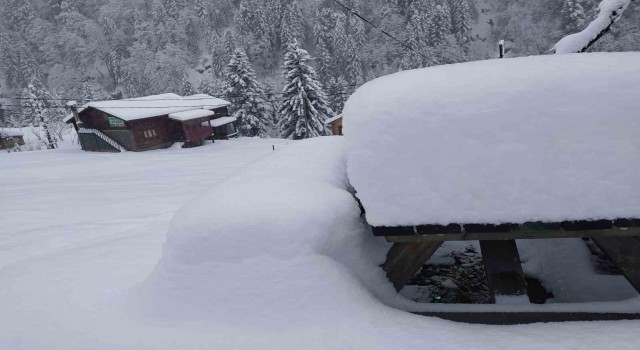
104	49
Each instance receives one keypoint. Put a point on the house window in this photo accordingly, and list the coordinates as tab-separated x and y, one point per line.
150	133
115	122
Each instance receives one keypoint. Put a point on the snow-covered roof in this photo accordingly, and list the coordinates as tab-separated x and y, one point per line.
331	120
156	105
9	133
193	114
547	138
223	121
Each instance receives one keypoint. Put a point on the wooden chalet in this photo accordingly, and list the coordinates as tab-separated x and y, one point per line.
336	125
8	139
151	122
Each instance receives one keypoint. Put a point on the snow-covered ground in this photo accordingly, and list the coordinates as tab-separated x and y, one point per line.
271	254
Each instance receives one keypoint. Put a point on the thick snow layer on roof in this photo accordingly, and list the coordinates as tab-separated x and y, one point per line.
546	138
331	120
610	11
193	114
223	121
157	105
10	133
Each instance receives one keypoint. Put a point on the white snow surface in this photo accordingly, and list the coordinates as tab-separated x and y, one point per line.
331	120
547	138
10	133
193	114
156	105
223	121
273	256
609	11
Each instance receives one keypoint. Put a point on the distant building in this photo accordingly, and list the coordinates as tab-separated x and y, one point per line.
336	125
8	139
151	122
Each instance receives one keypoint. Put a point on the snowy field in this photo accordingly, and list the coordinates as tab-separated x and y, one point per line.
268	252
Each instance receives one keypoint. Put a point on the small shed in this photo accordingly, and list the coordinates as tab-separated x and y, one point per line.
336	125
147	123
9	139
494	151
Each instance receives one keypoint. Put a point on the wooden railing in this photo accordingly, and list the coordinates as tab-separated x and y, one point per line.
104	137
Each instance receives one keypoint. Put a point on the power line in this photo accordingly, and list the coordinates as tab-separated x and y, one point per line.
407	46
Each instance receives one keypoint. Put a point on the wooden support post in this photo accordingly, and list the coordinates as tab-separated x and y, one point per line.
503	268
404	260
625	252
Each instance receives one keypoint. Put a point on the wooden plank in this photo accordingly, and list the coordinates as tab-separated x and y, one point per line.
404	260
515	318
625	252
503	268
515	234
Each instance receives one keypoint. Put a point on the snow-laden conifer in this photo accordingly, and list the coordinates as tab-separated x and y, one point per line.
37	111
246	96
304	107
573	16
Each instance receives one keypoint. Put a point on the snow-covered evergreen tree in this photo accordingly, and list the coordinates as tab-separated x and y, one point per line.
187	88
37	110
573	16
324	61
439	25
304	107
246	97
338	93
461	21
291	22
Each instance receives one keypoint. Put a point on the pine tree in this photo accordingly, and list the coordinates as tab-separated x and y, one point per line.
304	108
439	26
324	61
19	15
338	93
37	108
187	89
461	21
573	16
291	25
4	120
246	97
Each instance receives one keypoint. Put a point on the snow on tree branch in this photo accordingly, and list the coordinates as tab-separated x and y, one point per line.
610	11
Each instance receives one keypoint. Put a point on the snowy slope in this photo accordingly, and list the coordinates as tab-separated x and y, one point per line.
271	255
547	138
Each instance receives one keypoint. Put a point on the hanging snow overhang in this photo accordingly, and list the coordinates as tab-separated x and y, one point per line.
221	121
331	120
191	115
511	144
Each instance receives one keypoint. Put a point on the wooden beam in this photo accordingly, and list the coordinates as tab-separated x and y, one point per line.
515	234
503	268
404	260
625	252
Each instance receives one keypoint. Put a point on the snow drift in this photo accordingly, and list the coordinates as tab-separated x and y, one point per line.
547	138
265	246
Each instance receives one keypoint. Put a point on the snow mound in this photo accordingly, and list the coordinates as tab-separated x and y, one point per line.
546	138
267	245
